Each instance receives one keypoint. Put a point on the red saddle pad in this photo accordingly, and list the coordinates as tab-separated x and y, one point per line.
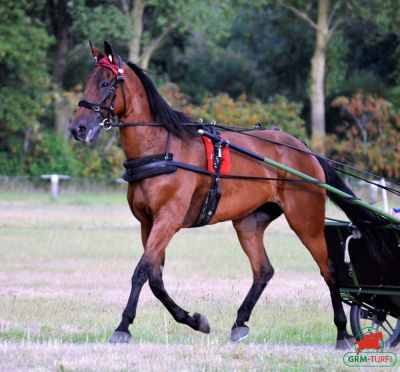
226	161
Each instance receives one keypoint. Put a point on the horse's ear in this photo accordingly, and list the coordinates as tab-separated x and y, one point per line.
96	53
109	52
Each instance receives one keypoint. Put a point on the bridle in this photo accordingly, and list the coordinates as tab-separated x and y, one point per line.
119	71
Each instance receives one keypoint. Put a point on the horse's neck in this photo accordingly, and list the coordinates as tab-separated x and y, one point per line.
140	141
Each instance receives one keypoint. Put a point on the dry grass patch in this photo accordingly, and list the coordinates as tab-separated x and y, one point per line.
157	357
65	274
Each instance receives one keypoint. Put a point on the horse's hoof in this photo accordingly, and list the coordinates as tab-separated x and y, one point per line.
203	325
345	343
239	333
120	337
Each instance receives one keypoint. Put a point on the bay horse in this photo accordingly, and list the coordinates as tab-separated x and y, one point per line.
166	203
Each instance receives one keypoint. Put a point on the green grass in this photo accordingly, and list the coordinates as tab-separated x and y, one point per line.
65	274
70	197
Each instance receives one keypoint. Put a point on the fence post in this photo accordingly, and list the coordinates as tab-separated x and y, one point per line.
54	181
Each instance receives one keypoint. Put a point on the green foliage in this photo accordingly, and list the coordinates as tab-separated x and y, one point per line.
51	153
279	113
99	22
23	74
394	96
264	55
95	20
366	82
385	14
368	135
244	48
97	161
190	15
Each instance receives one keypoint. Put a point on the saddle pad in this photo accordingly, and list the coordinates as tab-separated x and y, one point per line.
226	159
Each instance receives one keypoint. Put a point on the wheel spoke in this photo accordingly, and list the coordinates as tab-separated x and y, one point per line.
364	314
388	332
390	326
374	325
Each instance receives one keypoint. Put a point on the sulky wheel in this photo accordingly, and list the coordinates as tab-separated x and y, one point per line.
390	326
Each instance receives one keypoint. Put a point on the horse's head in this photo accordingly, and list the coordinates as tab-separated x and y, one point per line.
104	96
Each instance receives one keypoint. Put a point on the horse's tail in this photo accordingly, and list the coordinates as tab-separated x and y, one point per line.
377	240
360	216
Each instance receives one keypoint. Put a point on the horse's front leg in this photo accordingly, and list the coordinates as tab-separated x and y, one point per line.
150	267
160	236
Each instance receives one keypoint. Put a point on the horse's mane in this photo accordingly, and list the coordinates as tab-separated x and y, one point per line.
161	111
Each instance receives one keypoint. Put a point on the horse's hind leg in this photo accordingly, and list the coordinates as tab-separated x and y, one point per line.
250	231
310	230
318	249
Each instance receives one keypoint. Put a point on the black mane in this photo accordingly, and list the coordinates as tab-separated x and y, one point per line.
161	111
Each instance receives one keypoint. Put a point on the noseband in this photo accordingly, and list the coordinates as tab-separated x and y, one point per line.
112	94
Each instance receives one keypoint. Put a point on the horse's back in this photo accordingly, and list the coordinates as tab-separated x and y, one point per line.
242	197
277	145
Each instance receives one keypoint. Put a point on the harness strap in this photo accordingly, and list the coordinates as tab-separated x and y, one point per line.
137	170
92	106
213	197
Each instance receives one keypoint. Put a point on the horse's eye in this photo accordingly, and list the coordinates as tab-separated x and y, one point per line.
105	84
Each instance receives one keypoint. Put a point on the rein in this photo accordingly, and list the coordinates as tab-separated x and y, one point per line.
242	130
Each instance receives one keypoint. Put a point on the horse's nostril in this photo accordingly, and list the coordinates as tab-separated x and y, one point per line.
81	129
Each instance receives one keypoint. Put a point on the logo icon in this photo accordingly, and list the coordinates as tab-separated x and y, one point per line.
371	341
369	351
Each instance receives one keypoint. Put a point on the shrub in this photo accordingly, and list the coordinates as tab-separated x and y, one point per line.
366	82
279	113
51	153
368	133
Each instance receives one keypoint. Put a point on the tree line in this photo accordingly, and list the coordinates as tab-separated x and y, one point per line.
320	69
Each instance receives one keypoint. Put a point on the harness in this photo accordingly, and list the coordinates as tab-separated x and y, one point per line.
139	169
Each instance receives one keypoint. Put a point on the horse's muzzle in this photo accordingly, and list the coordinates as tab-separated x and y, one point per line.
78	131
82	132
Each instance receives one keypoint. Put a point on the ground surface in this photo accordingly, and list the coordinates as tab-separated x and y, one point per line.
65	276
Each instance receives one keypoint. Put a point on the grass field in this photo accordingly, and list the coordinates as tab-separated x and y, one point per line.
65	278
